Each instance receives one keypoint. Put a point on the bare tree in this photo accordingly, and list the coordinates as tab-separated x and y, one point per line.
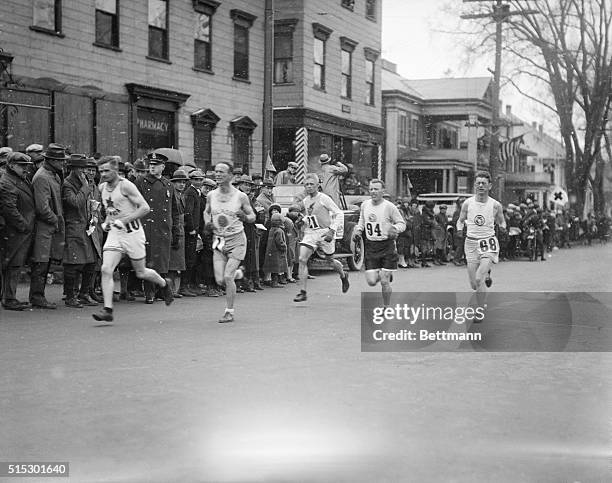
566	48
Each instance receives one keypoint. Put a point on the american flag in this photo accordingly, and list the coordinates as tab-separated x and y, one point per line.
509	149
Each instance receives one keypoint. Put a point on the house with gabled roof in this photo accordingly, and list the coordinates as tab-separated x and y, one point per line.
435	131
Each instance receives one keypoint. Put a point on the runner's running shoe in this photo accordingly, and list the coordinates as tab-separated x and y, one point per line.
345	282
167	290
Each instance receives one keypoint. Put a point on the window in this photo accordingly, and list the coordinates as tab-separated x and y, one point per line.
347	46
158	29
283	58
47	16
204	122
283	50
319	64
242	130
371	56
350	4
107	23
346	74
321	35
242	23
414	132
202	51
403	129
241	52
369	82
371	10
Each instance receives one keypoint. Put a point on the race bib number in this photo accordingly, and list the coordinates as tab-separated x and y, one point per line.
312	222
488	245
373	230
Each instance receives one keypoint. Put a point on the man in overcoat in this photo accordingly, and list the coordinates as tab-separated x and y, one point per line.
161	223
49	239
79	251
193	219
18	209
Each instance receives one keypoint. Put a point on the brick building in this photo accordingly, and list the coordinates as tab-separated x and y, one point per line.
327	96
124	77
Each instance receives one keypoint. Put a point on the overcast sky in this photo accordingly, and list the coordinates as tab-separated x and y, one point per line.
413	37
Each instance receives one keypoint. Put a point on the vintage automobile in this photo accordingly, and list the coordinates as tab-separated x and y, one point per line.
347	249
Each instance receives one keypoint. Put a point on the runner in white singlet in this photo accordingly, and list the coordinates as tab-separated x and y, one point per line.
481	213
226	210
379	223
124	206
322	218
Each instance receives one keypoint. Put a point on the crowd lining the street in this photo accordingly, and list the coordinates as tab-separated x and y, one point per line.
51	215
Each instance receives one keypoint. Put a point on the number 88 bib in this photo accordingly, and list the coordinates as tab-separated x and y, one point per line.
488	245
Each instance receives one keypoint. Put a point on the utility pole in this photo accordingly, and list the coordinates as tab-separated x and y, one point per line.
268	104
500	12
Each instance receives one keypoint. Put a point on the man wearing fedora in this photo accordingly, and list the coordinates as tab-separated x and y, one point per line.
80	253
18	209
287	176
331	172
49	240
161	223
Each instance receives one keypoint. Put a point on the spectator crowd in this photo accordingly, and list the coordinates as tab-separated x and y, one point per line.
51	216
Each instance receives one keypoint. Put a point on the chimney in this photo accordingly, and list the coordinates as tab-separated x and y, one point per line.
389	66
534	126
508	110
541	129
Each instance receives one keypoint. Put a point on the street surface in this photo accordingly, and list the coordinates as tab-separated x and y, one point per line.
285	394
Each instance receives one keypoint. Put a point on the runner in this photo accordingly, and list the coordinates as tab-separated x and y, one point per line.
381	222
480	213
321	218
226	210
124	207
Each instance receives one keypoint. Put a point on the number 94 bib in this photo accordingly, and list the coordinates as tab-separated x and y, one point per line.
488	245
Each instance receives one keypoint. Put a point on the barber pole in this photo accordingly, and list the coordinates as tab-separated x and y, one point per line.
380	162
301	153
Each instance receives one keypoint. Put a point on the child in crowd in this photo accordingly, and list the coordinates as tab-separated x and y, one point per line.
275	262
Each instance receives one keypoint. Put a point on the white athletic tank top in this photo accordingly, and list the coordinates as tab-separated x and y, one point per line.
377	219
115	203
480	219
225	220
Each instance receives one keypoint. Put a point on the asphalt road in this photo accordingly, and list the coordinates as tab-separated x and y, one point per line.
285	393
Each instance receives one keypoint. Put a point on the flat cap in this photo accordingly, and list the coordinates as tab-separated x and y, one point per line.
18	158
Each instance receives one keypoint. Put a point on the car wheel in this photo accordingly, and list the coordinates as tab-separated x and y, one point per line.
355	261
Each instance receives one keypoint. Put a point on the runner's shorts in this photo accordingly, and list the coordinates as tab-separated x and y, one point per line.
234	247
380	254
130	241
478	248
314	239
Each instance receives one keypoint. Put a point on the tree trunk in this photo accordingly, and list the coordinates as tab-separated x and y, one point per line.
599	201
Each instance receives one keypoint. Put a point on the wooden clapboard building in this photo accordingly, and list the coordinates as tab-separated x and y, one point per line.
124	77
326	91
